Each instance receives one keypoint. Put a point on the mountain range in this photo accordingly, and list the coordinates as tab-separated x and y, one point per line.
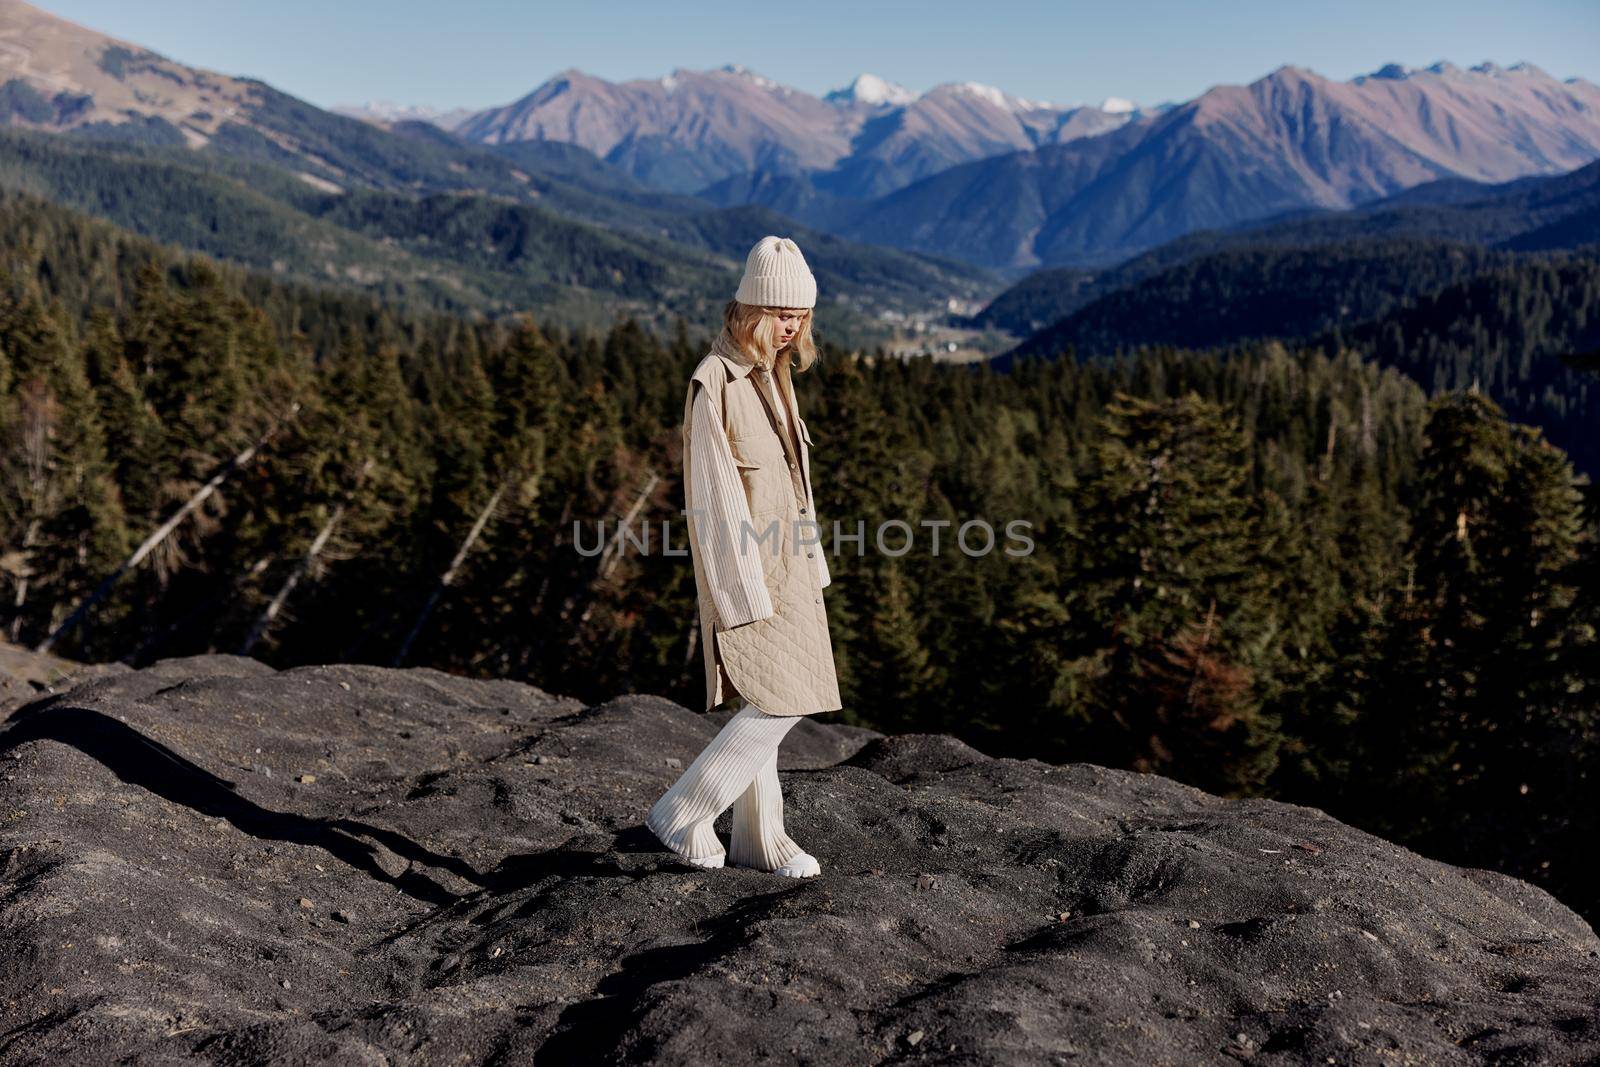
690	131
969	171
977	185
1290	141
236	169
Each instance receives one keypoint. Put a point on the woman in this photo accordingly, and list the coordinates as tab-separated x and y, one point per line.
758	568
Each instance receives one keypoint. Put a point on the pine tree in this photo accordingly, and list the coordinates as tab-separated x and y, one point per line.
1169	583
1484	696
896	675
66	519
131	427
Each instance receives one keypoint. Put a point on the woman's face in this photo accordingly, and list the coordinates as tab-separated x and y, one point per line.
788	323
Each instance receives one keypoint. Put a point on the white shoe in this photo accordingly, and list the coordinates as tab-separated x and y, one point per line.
804	865
710	863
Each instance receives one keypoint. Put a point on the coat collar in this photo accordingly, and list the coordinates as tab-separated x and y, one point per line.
739	365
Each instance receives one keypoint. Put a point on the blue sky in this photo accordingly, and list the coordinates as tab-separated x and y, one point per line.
478	53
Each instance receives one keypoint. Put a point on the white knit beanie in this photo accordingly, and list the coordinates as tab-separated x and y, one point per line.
776	276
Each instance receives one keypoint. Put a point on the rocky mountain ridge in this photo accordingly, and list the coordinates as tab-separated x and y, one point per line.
1061	183
211	859
59	75
691	129
1290	141
964	171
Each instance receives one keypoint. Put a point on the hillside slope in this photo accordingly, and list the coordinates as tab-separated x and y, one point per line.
574	263
207	858
237	169
1540	213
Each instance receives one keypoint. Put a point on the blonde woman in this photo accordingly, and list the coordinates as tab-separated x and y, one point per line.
759	568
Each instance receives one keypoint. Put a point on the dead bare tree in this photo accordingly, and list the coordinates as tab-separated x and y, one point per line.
1327	456
163	531
318	543
533	647
40	415
612	553
450	573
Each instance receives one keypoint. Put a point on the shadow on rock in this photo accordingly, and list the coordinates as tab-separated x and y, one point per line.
630	854
591	1031
140	761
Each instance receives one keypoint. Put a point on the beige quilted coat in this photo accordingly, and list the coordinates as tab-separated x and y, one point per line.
768	641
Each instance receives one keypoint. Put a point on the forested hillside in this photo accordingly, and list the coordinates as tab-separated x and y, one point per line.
1264	570
575	246
1247	293
1510	332
1530	214
1506	322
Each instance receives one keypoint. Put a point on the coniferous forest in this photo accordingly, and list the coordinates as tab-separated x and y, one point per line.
1276	567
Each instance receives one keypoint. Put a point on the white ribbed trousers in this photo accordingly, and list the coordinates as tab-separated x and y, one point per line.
739	767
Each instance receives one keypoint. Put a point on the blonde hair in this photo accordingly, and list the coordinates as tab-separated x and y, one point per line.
753	329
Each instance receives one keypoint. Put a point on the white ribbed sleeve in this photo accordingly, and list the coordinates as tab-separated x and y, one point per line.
734	572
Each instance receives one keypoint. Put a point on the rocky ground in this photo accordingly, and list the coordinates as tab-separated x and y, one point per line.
209	859
25	676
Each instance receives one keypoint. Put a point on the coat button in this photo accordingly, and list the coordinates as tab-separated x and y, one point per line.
819	600
811	555
802	511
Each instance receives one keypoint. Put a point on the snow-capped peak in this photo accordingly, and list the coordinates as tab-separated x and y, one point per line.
1116	105
389	111
745	72
871	89
997	97
383	112
994	96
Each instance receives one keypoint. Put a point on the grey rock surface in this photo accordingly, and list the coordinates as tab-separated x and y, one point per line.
25	675
443	870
